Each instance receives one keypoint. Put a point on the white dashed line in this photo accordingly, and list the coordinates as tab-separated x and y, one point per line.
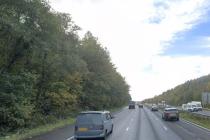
127	128
71	138
165	128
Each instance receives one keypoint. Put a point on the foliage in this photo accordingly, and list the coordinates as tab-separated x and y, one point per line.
204	122
46	71
189	91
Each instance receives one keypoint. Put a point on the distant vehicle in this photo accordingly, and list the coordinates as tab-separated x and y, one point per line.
198	106
170	113
131	105
154	107
140	105
162	104
190	107
93	124
184	107
194	106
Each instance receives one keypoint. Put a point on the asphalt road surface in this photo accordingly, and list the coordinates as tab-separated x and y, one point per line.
140	124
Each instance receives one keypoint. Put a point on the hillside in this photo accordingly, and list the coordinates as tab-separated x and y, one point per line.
189	91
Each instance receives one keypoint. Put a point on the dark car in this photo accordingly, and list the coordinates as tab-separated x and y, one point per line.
140	105
170	114
154	108
132	105
93	124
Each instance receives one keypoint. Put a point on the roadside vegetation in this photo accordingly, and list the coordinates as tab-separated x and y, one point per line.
47	72
28	133
204	122
189	91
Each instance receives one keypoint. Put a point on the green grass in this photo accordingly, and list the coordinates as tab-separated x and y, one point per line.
39	130
44	128
195	119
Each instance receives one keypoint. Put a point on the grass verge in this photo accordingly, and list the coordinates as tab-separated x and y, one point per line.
195	119
39	130
44	128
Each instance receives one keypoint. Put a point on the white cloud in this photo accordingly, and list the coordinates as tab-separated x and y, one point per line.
136	32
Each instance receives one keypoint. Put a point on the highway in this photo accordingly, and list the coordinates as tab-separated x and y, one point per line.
139	124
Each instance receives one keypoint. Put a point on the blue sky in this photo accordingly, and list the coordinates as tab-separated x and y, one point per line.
192	42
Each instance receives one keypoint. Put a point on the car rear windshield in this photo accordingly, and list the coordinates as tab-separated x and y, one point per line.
131	103
89	118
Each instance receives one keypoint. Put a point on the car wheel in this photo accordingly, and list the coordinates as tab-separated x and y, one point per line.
111	129
177	119
104	138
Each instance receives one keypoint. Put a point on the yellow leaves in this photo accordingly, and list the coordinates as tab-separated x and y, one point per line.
61	100
75	78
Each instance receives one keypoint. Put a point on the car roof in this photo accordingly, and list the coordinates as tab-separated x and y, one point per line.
170	108
94	112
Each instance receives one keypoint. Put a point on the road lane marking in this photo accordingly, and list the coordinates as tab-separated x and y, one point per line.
127	128
165	128
71	138
184	129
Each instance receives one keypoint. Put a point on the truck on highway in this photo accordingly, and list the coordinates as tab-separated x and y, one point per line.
192	106
198	106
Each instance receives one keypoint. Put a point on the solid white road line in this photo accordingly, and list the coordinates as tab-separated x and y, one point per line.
71	138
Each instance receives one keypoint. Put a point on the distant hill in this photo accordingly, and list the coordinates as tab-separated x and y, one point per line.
189	91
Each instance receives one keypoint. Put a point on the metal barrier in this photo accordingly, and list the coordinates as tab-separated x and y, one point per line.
200	114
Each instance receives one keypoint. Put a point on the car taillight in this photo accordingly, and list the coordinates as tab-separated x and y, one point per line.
167	114
76	128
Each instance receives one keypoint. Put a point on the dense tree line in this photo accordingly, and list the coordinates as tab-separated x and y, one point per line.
189	91
46	71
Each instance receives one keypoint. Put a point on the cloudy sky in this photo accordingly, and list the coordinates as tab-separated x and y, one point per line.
155	44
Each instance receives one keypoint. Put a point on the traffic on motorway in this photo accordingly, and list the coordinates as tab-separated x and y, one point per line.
138	123
65	65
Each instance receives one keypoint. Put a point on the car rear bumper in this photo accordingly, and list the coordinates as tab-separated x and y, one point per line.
131	107
87	137
175	117
97	134
172	117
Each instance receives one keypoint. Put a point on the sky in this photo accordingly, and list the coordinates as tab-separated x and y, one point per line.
155	44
